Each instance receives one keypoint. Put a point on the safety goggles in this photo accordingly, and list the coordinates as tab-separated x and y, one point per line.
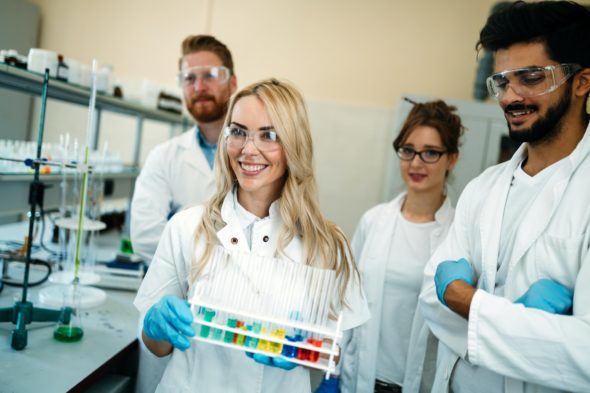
530	81
429	156
206	74
265	141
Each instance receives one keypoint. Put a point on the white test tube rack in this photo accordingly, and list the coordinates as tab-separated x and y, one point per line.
265	333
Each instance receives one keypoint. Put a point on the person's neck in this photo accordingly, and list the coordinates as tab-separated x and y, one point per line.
542	155
257	203
211	131
422	206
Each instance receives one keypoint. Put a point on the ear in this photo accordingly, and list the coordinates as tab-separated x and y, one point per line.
233	84
582	83
453	158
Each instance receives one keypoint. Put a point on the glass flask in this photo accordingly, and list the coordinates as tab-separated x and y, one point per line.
69	325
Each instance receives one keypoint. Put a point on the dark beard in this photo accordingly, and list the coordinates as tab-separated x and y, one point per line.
546	128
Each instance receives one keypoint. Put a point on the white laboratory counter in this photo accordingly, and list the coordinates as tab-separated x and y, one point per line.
47	365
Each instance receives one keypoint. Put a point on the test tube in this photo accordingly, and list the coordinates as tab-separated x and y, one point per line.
313	356
209	314
277	347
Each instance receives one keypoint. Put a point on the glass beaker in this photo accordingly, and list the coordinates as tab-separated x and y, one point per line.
87	251
69	325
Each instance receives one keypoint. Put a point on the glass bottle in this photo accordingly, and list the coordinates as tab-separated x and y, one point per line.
63	71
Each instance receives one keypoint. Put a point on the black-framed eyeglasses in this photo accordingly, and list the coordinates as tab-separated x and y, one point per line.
429	156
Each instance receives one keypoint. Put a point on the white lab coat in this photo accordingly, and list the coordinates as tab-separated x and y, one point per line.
175	175
371	248
550	352
210	368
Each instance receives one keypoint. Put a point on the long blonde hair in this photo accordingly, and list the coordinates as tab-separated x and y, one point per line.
324	244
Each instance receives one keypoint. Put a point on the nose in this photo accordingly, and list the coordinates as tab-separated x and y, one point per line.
416	160
250	145
199	84
510	96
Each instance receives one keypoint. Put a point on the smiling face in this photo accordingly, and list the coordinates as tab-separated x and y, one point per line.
418	175
532	119
207	102
260	174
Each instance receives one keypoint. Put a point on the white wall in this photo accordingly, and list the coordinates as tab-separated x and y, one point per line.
352	60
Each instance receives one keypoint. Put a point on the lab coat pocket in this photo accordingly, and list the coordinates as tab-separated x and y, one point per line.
559	258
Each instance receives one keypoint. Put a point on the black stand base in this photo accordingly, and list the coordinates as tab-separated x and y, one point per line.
23	313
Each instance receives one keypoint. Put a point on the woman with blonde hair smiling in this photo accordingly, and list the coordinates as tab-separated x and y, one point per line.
266	204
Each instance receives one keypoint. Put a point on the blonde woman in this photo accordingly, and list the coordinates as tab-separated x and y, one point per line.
266	204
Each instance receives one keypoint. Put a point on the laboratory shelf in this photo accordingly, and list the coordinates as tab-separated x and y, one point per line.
52	177
29	82
14	187
14	195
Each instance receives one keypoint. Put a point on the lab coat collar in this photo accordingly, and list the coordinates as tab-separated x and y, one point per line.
537	217
444	212
232	236
441	216
191	152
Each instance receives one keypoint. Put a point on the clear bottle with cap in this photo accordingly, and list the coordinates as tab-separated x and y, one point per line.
63	71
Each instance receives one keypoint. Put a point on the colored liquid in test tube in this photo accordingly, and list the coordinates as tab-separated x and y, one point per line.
276	347
253	342
239	337
263	345
217	333
303	353
290	351
208	317
229	336
247	339
314	355
241	340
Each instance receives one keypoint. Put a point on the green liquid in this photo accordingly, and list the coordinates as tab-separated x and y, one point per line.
68	334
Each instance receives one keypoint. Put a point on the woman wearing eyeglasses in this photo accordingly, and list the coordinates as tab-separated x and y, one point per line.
392	244
266	204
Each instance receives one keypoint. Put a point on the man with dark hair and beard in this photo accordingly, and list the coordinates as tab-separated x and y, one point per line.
179	172
508	292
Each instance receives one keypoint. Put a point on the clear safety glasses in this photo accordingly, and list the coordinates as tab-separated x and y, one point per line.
429	156
206	74
265	141
530	81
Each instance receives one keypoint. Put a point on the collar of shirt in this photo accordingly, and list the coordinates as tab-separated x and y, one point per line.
247	219
208	149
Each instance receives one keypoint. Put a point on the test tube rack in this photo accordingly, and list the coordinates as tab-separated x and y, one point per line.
270	306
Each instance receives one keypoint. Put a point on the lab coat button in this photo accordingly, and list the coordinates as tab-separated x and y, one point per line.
265	239
234	240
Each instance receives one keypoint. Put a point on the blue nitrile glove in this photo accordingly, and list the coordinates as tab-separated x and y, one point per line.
548	295
331	385
272	361
170	320
449	271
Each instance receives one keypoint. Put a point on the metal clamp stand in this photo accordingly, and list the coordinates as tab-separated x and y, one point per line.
23	312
